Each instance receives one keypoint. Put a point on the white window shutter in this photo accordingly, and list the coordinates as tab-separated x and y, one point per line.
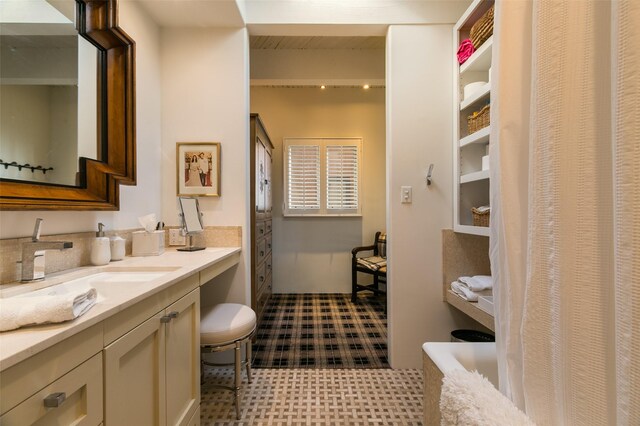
303	177
342	165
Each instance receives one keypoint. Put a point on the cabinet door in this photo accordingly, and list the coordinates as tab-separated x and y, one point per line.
267	179
134	371
261	174
183	359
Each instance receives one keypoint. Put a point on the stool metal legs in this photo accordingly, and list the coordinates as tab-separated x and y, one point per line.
237	348
238	371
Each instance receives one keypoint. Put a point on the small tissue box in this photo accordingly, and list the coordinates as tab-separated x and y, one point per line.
148	243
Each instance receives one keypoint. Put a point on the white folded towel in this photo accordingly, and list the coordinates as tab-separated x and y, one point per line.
477	282
463	291
467	398
20	311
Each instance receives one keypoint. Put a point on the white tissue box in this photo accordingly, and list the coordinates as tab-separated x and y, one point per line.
486	304
148	243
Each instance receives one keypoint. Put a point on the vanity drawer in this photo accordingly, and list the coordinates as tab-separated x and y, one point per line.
261	276
24	379
267	239
81	404
268	265
268	226
260	229
261	250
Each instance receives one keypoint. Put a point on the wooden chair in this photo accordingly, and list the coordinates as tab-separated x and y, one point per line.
375	265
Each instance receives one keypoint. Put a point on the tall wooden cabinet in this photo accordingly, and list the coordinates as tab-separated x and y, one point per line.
261	161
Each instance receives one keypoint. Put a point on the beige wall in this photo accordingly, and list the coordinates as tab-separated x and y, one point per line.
134	200
205	99
419	117
312	255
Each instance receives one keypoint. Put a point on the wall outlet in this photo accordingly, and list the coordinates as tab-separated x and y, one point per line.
176	238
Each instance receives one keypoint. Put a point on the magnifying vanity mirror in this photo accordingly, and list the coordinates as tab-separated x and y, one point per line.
67	105
191	221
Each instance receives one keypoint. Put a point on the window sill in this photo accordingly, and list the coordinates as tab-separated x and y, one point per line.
322	215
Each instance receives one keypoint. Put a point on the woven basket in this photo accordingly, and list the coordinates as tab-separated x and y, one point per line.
482	29
479	119
480	218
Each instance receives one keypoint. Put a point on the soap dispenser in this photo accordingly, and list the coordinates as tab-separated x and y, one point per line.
100	248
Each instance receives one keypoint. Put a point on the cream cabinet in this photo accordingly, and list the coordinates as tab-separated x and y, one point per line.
152	372
60	386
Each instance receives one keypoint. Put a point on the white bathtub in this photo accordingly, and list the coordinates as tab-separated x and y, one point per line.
441	357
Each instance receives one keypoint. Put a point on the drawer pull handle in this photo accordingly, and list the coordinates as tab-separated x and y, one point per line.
261	278
55	399
261	253
167	318
261	231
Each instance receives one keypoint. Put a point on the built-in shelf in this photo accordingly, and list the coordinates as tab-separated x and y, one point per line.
475	176
471	309
473	230
480	60
478	95
481	136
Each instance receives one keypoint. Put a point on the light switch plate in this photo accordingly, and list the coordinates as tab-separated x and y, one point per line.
406	196
176	238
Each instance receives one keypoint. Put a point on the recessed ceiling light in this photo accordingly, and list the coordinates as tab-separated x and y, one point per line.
366	86
323	87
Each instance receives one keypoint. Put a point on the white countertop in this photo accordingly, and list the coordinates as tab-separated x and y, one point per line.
18	345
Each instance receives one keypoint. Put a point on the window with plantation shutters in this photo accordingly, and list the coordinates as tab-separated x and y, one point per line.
342	177
303	177
322	176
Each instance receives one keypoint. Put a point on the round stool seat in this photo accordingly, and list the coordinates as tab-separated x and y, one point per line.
226	323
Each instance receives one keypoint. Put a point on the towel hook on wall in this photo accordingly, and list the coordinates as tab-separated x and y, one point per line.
429	174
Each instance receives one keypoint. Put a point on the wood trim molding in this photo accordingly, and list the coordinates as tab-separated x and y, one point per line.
98	181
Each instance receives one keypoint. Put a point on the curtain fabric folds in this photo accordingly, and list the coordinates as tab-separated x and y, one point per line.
565	196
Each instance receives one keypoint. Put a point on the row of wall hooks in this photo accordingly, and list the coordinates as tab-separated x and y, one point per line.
24	166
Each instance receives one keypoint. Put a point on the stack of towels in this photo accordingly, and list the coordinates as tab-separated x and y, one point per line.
20	311
469	288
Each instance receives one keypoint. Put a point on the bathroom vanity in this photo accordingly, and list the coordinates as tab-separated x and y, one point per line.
131	359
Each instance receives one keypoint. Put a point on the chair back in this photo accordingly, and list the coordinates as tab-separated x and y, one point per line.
381	244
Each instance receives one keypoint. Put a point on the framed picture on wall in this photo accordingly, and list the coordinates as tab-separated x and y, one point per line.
198	165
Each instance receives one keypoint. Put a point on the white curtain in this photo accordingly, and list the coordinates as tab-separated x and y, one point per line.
565	196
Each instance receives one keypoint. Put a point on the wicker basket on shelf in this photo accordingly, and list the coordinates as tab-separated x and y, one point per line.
479	119
482	29
480	218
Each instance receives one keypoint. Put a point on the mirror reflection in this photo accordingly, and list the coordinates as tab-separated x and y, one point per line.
48	89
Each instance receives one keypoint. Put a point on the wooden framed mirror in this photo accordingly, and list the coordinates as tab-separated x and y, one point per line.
96	180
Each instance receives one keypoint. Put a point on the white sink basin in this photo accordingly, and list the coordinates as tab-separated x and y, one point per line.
104	280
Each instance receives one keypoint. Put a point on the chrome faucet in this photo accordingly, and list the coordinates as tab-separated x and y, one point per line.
33	254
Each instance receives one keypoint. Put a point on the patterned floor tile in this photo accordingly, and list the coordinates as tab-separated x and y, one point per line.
316	397
322	331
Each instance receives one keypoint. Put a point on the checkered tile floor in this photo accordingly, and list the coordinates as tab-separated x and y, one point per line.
316	397
322	331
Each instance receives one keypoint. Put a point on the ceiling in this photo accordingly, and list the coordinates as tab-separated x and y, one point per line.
314	42
193	13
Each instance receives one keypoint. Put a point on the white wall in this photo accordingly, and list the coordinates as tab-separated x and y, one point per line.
419	131
313	255
205	99
135	200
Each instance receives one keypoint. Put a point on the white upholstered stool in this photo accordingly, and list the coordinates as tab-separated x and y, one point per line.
228	326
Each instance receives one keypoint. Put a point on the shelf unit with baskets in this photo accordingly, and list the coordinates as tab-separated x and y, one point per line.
471	117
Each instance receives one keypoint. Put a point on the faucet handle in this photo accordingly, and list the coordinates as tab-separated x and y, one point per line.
36	231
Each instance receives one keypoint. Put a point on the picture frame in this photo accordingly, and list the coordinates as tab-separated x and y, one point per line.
198	169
